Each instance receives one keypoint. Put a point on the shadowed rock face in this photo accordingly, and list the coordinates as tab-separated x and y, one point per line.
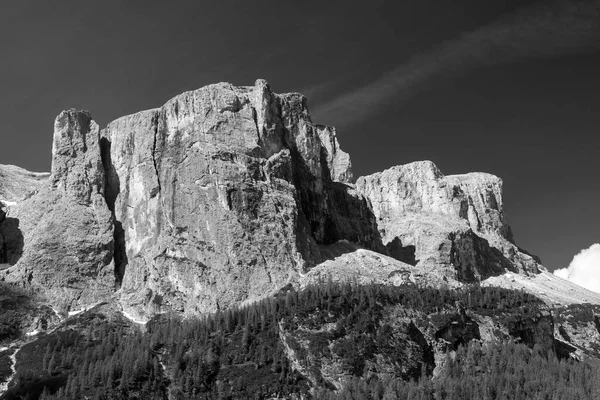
225	194
60	239
453	222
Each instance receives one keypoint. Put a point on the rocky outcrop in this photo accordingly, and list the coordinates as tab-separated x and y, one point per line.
545	286
577	330
60	239
224	195
348	262
455	223
535	330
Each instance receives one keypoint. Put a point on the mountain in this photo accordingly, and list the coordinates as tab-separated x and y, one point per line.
226	196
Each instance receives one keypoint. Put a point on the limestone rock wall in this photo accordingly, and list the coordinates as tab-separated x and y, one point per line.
453	222
60	240
223	195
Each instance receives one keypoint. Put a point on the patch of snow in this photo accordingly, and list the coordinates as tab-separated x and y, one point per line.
84	309
8	203
60	317
73	313
33	333
134	319
4	348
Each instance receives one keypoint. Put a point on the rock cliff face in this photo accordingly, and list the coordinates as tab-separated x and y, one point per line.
453	222
226	194
60	239
223	195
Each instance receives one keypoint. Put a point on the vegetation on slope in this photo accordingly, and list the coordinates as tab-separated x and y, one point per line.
494	371
341	339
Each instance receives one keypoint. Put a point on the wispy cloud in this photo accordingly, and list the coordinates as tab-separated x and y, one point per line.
584	270
544	30
317	90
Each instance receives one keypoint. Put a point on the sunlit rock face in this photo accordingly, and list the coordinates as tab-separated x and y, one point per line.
60	239
454	222
224	195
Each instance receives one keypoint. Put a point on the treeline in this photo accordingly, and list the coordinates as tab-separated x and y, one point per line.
236	353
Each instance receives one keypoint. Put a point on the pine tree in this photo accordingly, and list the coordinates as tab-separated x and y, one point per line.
51	364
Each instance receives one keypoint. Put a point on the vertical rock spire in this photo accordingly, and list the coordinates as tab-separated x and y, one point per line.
76	162
61	238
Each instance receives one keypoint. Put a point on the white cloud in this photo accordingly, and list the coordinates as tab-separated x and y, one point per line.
584	270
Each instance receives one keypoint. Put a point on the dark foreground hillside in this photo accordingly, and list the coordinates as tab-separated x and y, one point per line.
326	342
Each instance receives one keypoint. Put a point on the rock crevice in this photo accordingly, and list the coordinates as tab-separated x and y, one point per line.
156	191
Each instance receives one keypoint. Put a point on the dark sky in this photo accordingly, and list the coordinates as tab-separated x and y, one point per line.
501	86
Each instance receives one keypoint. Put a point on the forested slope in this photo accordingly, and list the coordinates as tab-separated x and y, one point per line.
328	341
